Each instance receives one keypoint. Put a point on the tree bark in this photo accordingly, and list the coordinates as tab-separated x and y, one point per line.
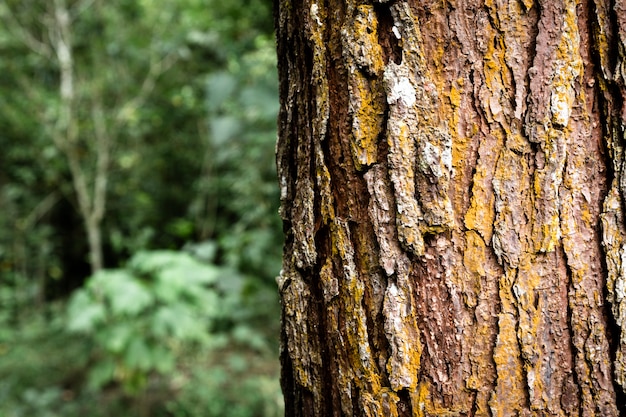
452	189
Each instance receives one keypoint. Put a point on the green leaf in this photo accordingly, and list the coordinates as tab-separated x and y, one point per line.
220	87
204	251
180	323
138	355
84	313
163	360
224	128
116	337
102	373
124	292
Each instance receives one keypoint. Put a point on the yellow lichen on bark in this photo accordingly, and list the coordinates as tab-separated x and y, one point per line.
614	242
426	404
362	364
481	214
474	261
442	203
509	395
552	132
383	404
364	59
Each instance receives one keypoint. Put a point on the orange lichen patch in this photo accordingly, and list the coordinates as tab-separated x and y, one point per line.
474	260
474	256
509	395
456	93
384	403
360	41
495	68
531	322
481	379
547	180
568	67
480	216
528	4
327	208
425	406
364	58
510	185
356	340
367	107
552	133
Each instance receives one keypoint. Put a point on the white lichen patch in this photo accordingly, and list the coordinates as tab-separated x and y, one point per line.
402	125
561	102
315	14
432	157
613	241
396	32
395	300
401	91
402	331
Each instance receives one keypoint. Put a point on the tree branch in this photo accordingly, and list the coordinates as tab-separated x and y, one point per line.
157	68
17	29
103	154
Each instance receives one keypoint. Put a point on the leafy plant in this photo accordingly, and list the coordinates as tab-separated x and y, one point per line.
140	318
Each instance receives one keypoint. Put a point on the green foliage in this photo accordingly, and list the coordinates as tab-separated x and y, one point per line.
140	316
168	335
243	109
159	333
36	362
218	392
191	161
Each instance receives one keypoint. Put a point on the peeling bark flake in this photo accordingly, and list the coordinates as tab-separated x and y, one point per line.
402	332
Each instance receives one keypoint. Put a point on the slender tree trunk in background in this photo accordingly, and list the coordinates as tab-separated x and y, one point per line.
453	183
86	143
91	199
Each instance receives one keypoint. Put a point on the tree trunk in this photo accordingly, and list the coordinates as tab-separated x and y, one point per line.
452	178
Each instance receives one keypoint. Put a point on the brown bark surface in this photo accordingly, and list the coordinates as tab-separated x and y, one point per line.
452	192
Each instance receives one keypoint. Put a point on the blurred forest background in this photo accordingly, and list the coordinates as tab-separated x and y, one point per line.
139	238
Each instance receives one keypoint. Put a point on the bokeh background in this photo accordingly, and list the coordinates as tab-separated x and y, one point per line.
139	235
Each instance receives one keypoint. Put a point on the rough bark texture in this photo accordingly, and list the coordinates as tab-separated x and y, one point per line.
453	181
